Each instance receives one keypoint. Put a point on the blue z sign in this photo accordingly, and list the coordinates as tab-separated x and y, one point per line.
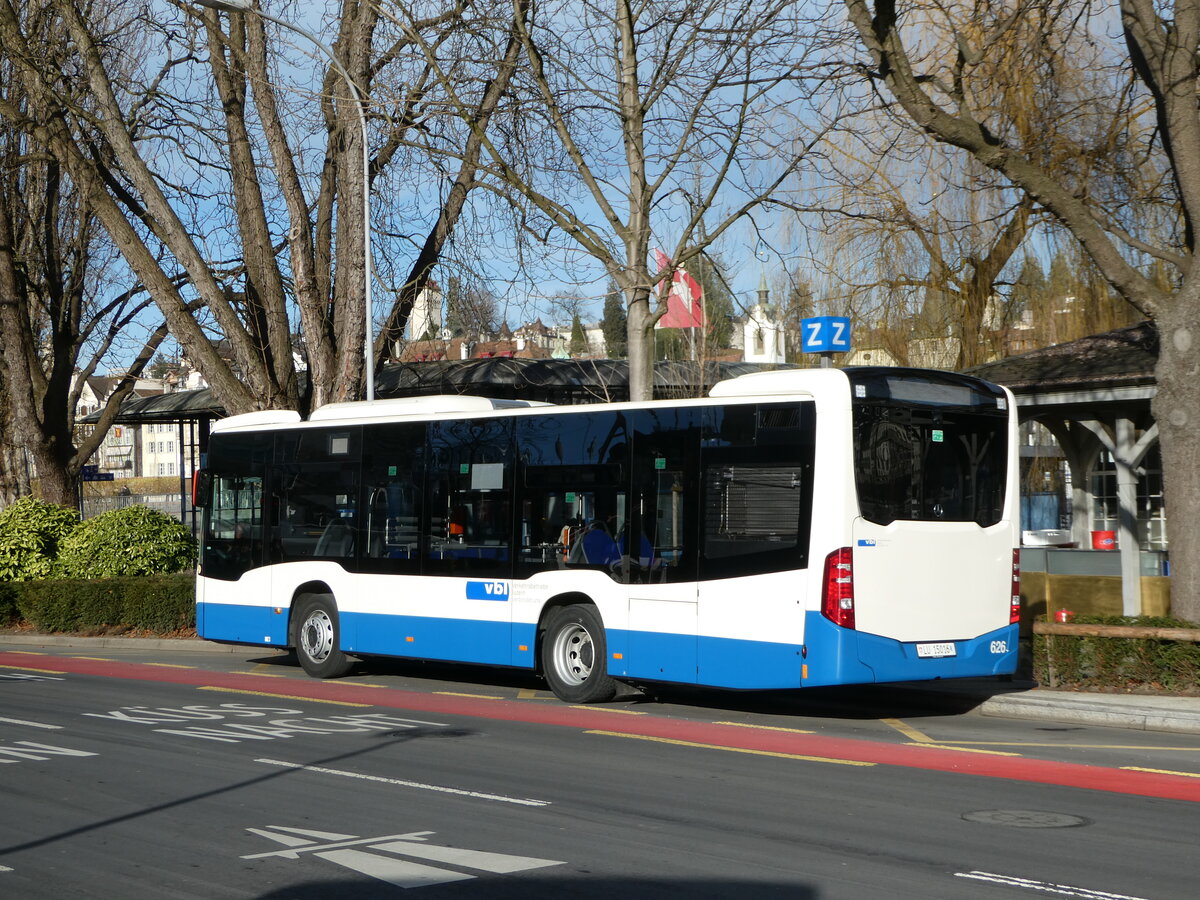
825	334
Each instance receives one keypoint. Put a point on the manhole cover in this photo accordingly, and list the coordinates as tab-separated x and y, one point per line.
1024	818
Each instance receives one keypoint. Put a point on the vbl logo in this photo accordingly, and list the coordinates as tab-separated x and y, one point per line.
487	590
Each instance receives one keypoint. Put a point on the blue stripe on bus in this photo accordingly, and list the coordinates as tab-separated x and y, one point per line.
712	661
836	656
241	624
463	640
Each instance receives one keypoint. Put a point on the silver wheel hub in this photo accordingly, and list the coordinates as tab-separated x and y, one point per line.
573	654
316	636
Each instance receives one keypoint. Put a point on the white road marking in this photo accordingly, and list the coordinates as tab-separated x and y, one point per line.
398	872
31	724
499	863
1045	887
402	873
478	795
298	845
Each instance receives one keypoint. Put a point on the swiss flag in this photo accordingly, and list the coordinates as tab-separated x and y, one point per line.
684	309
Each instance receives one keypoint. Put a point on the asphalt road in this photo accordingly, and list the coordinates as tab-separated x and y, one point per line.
152	774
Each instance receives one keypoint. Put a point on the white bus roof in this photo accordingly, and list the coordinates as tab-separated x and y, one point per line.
777	384
781	382
430	407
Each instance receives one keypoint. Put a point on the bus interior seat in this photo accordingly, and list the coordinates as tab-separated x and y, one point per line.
595	547
337	540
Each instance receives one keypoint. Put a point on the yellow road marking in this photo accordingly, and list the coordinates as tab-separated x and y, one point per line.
265	674
170	666
1161	771
474	696
32	669
765	727
947	746
93	658
908	731
609	709
27	652
527	694
225	690
658	740
1070	746
355	683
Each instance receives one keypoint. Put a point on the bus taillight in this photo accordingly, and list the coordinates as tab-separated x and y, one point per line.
837	596
1014	612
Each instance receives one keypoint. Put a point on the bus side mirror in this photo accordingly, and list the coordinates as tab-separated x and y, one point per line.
201	488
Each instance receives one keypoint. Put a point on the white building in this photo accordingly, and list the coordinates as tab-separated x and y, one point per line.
121	450
762	335
162	451
425	319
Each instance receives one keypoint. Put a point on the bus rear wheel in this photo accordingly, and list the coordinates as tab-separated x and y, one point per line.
318	638
574	656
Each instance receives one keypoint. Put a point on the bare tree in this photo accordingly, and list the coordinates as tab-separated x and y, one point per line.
1154	67
951	225
185	191
931	256
61	315
663	121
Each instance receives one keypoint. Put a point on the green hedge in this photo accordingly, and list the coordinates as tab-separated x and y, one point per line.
163	604
8	604
135	540
1109	663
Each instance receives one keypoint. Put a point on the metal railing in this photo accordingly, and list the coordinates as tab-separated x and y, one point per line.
177	506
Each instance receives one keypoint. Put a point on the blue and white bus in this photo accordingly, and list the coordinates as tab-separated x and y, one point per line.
794	528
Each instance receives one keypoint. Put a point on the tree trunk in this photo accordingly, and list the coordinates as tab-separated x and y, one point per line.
1176	409
641	346
59	482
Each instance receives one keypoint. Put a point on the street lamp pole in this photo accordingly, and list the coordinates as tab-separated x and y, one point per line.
359	102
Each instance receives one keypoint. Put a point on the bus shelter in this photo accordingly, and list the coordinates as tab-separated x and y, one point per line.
1093	395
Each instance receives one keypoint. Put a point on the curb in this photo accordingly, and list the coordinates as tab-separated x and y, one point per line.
1076	710
53	640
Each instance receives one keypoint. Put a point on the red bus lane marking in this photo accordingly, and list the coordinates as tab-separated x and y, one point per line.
1097	778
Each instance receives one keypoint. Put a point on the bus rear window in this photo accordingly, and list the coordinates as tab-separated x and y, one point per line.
929	461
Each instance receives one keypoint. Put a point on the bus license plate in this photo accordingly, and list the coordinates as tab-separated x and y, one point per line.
935	651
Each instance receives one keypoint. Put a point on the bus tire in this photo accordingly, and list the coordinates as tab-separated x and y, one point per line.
318	637
574	655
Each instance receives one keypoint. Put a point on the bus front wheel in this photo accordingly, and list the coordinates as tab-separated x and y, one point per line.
318	639
575	656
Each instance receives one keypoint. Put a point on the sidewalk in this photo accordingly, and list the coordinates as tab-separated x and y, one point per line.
1012	700
1144	712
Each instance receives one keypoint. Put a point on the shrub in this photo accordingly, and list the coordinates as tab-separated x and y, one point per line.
8	604
1118	663
135	540
162	604
31	532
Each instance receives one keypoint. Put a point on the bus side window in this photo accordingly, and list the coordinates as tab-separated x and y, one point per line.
666	447
316	482
393	476
573	491
756	484
470	509
233	538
